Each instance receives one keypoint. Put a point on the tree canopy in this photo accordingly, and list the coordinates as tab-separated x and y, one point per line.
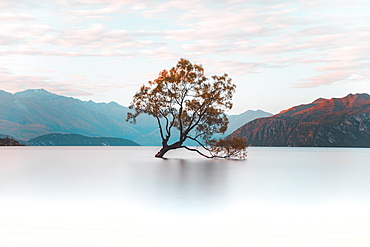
189	106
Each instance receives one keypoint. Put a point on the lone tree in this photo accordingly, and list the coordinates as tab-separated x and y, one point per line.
189	106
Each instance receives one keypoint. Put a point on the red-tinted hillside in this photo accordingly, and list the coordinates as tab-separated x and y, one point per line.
324	122
322	110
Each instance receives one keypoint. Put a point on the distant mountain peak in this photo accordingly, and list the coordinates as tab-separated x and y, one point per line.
34	92
319	100
328	105
113	103
359	96
38	90
293	110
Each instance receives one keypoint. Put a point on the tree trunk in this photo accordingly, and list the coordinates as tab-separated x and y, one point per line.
162	152
165	149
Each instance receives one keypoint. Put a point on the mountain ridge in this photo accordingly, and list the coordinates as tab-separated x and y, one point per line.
35	112
333	122
55	113
57	139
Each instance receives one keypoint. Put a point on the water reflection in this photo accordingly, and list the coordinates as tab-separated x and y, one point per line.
105	195
180	183
192	181
132	175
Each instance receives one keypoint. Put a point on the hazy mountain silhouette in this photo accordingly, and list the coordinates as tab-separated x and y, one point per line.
235	121
145	123
325	122
35	112
78	140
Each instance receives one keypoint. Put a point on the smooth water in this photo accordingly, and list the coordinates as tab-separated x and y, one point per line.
123	196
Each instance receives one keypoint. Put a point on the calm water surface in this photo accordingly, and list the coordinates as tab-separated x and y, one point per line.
122	196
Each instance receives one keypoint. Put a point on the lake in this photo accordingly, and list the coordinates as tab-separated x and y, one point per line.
123	196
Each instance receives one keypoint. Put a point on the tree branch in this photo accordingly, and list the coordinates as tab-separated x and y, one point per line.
160	128
196	150
209	157
165	117
201	144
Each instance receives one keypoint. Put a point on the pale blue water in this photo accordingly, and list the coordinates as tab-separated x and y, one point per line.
123	196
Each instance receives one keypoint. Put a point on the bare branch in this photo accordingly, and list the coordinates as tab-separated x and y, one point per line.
160	128
196	150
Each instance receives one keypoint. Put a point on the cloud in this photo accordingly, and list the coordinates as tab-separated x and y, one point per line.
76	37
244	37
112	8
14	83
17	17
93	41
230	67
20	33
325	79
73	85
343	58
161	53
74	3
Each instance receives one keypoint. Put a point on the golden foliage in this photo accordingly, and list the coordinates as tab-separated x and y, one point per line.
233	148
183	99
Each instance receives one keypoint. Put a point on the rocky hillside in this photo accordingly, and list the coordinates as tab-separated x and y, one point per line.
337	122
9	142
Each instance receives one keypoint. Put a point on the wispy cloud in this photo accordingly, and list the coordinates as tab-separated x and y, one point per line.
240	37
72	85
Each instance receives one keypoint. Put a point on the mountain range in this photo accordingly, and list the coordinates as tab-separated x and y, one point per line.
36	112
78	140
337	122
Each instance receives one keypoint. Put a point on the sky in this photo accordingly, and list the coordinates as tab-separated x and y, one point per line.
279	53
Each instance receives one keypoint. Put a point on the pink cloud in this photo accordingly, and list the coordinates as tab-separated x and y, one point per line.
113	7
15	17
265	33
230	67
325	79
15	33
77	85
